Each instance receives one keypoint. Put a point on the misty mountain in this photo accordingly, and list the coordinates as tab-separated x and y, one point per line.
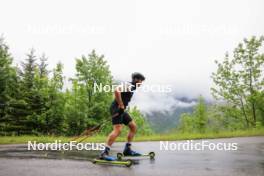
163	121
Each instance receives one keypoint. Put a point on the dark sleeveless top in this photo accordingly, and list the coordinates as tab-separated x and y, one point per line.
126	95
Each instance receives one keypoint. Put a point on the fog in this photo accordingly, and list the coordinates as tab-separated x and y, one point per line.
171	42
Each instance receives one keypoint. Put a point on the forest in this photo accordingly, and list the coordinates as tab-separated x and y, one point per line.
34	100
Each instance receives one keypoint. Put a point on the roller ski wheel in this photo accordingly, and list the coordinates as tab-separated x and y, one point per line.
129	163
119	156
152	155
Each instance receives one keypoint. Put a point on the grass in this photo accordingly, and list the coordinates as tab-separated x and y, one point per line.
156	137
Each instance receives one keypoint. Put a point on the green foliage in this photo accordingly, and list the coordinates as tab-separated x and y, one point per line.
76	111
239	81
196	121
222	117
12	107
6	71
53	117
200	114
238	84
154	137
86	107
260	107
186	123
143	127
33	102
32	99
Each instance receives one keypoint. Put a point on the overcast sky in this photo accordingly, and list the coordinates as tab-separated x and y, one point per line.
171	42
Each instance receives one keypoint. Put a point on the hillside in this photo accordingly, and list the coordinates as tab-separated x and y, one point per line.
163	121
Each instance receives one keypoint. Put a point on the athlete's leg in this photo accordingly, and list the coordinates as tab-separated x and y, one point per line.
110	140
132	131
114	134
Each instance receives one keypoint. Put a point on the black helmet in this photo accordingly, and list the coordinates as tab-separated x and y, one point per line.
138	75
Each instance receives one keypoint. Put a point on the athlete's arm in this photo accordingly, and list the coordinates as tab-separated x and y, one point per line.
118	98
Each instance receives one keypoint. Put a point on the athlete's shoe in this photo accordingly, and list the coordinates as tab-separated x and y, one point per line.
105	155
128	152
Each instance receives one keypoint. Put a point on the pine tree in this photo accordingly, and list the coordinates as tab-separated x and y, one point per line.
12	108
54	115
6	72
30	91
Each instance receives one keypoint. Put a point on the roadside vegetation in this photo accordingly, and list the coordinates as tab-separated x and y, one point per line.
238	89
34	105
154	137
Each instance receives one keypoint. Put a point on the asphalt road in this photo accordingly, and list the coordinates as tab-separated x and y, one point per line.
248	159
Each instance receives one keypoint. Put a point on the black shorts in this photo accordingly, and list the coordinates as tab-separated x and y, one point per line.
124	118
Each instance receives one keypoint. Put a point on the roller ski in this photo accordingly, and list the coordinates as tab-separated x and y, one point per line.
114	161
130	153
106	159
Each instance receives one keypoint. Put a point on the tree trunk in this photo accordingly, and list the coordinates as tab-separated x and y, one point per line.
253	99
254	113
244	112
